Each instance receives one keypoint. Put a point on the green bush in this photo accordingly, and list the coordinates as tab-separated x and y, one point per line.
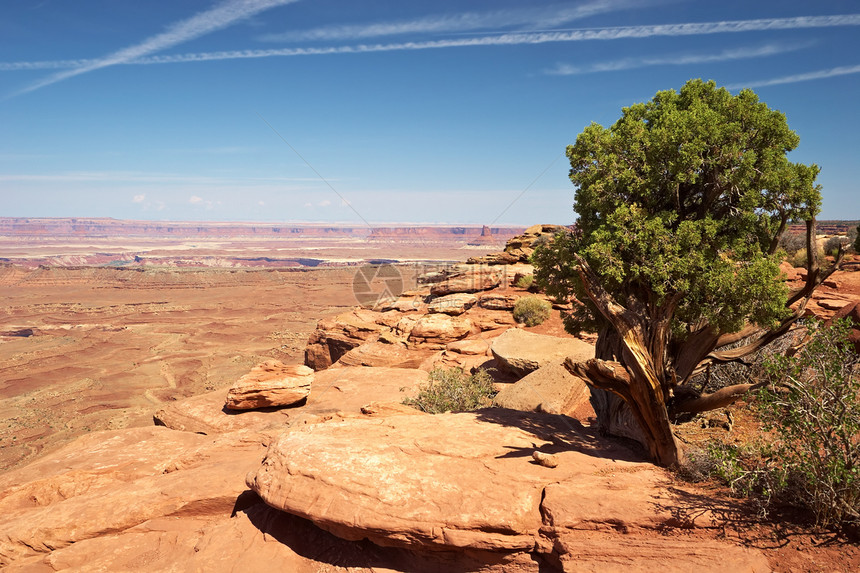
813	408
525	281
531	310
854	237
452	390
810	456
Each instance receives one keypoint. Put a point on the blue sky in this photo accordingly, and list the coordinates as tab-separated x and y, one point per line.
383	111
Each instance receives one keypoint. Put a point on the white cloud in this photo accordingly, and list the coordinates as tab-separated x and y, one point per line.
324	203
261	203
139	198
202	23
195	200
309	204
804	77
675	59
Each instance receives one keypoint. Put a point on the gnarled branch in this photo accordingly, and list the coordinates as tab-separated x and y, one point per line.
719	399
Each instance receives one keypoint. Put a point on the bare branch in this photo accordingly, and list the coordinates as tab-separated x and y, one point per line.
719	399
603	374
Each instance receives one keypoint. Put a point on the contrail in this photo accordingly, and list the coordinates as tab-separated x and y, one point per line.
502	39
795	78
202	23
677	59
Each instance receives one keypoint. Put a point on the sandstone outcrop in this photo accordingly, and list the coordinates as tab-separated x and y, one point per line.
468	482
453	304
271	383
439	329
550	388
383	354
336	336
468	279
498	301
520	247
346	389
520	352
112	481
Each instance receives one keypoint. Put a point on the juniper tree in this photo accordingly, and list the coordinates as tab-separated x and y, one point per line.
681	206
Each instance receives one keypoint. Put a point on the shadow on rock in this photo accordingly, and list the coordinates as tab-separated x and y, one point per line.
564	433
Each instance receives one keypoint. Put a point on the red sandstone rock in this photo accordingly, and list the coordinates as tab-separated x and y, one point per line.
468	482
852	312
520	352
453	304
271	383
336	336
471	278
550	388
382	354
439	329
111	481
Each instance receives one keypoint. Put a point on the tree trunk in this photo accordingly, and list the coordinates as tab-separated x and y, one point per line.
614	418
637	375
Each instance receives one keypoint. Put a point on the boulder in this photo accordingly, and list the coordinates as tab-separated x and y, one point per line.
520	352
469	482
498	301
271	383
439	329
453	304
468	279
550	388
791	273
831	303
473	346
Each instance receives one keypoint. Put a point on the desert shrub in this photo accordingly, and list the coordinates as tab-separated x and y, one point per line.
531	310
799	258
792	242
747	469
810	456
831	245
525	281
854	237
452	390
813	408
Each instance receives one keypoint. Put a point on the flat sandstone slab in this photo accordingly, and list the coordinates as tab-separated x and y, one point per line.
467	481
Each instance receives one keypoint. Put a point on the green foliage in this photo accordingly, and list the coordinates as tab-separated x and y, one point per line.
681	198
531	310
814	410
525	281
857	239
452	390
